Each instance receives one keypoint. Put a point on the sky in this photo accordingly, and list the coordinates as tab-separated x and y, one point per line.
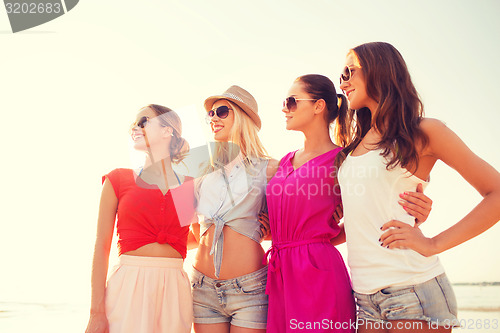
70	89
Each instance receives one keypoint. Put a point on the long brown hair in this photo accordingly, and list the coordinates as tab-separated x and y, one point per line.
399	110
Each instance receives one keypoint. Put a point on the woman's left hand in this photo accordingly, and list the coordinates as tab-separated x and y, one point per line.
399	235
417	204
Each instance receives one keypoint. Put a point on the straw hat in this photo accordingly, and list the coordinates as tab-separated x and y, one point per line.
240	97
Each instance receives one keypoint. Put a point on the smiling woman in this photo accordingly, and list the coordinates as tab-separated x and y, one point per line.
397	276
308	281
148	290
229	274
221	120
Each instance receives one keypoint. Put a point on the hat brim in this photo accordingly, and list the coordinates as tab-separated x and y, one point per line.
209	103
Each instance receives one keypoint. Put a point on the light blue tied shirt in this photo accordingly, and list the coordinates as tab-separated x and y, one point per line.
233	199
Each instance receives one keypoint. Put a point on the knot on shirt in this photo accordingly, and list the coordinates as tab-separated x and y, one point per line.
163	238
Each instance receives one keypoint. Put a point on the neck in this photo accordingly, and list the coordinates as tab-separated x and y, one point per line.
317	138
238	159
158	163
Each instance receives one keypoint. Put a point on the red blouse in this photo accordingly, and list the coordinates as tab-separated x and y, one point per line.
145	215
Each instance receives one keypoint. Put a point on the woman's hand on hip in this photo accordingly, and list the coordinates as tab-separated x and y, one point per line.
400	235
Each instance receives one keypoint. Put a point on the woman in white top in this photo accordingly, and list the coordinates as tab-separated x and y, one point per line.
398	281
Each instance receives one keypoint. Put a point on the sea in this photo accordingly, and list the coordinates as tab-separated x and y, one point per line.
479	311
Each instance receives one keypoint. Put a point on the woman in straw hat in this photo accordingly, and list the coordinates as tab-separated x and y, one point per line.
230	273
148	291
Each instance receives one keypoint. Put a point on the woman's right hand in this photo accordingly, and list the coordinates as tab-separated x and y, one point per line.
338	214
417	204
98	323
264	224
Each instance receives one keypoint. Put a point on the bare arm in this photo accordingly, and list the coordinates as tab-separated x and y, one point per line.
447	146
105	227
194	234
338	214
264	221
417	204
340	238
272	167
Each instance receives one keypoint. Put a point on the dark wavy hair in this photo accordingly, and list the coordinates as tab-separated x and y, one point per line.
321	87
398	113
168	118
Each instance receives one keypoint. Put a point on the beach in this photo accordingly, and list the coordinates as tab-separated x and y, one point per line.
479	311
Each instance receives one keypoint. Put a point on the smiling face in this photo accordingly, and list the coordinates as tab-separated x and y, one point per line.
304	112
155	132
355	87
221	128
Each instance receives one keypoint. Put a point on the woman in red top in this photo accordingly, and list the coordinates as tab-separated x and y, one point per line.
148	291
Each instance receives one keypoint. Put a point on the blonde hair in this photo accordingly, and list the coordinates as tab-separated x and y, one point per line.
243	138
243	135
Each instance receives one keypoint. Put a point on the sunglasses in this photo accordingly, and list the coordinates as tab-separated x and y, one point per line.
290	103
141	123
222	112
346	74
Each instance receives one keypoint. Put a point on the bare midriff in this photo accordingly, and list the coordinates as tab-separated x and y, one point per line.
241	255
155	250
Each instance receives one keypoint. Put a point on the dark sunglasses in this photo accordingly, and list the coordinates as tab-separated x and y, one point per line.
290	103
222	112
346	74
141	123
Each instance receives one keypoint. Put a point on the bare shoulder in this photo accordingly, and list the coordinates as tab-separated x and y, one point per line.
273	163
431	125
272	167
440	136
444	144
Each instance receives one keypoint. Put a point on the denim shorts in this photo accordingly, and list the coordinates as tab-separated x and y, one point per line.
241	301
432	301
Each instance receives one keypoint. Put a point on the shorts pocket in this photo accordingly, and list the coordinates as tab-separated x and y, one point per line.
366	310
397	291
252	287
401	303
196	281
448	293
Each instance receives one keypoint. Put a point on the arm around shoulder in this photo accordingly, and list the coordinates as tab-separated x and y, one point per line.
272	167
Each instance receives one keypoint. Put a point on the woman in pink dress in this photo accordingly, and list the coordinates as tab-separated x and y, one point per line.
308	284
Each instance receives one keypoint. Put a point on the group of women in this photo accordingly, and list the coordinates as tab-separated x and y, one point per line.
373	175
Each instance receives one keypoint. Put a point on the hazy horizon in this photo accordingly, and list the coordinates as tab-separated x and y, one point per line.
69	97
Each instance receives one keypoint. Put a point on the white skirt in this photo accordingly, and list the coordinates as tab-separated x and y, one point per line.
149	295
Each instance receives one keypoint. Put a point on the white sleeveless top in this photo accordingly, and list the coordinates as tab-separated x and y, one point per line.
370	195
